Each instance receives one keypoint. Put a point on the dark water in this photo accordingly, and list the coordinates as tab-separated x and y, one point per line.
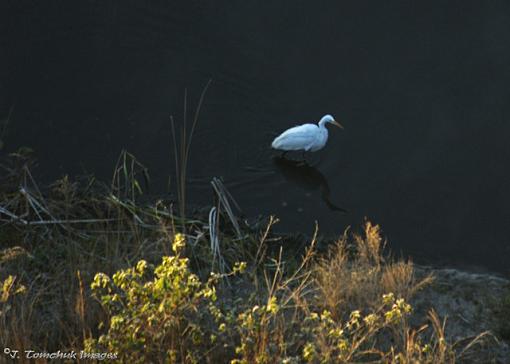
423	91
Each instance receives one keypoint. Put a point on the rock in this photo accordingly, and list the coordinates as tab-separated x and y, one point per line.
470	302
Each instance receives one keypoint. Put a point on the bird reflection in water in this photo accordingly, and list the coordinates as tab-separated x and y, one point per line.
307	177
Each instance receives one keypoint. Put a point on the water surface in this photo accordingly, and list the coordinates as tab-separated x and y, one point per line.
422	91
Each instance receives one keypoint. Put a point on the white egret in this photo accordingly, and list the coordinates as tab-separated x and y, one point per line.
306	137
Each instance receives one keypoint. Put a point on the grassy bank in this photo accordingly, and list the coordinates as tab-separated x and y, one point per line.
86	266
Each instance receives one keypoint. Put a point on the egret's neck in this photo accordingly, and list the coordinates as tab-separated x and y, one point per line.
322	124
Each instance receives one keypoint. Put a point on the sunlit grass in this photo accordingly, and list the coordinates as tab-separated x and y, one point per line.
358	266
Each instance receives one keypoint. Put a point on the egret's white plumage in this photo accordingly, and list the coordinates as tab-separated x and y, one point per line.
306	137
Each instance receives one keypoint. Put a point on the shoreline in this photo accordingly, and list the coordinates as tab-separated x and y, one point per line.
470	302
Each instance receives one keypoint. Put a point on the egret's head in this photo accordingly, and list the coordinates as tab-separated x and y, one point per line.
330	119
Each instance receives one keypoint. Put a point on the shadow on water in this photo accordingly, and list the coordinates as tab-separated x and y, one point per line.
307	177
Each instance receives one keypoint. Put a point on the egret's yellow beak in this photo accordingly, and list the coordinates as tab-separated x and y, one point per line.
334	122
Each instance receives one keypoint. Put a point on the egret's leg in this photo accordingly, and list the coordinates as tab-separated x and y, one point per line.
283	154
303	161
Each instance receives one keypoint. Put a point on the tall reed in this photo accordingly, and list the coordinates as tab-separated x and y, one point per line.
182	145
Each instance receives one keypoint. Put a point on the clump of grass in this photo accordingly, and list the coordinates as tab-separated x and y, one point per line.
51	233
356	264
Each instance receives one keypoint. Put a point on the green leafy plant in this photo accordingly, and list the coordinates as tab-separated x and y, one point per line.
155	315
158	314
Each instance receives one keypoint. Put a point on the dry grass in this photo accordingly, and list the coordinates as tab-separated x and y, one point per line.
355	275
